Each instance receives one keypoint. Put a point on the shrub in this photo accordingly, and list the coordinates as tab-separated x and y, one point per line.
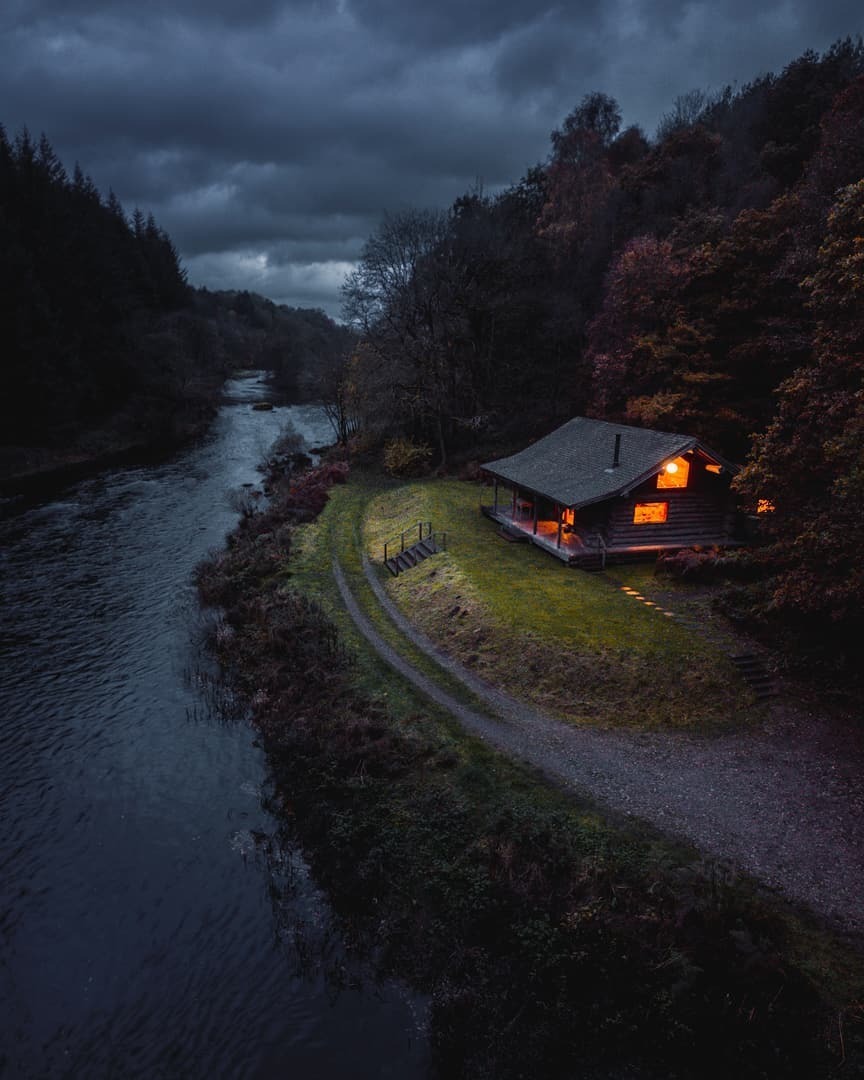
310	491
709	564
404	457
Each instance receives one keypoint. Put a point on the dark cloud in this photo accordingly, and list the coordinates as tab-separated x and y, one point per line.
228	12
269	137
549	57
453	22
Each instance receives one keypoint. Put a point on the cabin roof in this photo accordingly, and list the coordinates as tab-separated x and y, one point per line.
573	465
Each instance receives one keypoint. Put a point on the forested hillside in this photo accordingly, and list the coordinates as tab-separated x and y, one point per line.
105	346
708	279
302	348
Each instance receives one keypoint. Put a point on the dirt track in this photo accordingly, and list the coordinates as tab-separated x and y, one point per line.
784	803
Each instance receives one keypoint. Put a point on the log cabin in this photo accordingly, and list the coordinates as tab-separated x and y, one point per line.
593	492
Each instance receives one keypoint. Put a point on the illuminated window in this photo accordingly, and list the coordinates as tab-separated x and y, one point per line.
765	506
674	474
650	513
714	468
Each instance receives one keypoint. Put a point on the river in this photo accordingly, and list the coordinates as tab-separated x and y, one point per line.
147	928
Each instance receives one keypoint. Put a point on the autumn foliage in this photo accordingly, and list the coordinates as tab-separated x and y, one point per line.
311	490
811	457
705	281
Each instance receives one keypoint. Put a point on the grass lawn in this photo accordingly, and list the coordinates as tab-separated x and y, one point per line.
336	530
569	641
485	880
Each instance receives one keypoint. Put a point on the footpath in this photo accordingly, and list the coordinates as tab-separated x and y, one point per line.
783	803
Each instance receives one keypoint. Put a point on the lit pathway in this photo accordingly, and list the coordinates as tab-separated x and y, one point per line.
783	803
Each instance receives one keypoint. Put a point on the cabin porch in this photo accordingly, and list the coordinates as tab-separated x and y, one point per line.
589	539
591	551
524	515
527	515
543	533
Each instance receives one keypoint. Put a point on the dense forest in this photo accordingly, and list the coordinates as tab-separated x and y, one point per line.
708	280
106	347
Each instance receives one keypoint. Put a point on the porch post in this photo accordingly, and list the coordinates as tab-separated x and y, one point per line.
495	508
560	517
535	513
513	507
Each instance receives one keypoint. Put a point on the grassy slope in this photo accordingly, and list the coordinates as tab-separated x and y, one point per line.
546	929
588	652
337	530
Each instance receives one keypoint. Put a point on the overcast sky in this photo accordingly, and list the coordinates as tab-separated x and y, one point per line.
268	138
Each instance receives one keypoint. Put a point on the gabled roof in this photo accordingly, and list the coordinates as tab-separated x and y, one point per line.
572	466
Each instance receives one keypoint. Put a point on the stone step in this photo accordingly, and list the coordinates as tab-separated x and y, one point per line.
756	674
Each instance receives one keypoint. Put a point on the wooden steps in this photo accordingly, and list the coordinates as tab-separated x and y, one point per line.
412	556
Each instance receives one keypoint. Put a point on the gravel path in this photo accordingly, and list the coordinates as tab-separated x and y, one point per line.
783	802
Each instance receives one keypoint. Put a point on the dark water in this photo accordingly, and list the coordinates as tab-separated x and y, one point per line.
144	929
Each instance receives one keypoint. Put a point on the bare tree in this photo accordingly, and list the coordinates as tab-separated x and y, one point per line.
335	391
398	299
685	112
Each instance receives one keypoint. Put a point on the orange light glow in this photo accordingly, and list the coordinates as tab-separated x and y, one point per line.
650	513
675	474
765	506
714	468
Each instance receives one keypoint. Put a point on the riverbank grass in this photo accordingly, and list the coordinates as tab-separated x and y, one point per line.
548	937
337	532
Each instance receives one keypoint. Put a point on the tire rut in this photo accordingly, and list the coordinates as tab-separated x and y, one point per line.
778	803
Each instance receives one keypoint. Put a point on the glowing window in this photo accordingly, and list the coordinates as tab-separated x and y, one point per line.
674	474
714	468
650	513
765	506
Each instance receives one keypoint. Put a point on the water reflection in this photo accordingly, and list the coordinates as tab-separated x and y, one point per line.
139	933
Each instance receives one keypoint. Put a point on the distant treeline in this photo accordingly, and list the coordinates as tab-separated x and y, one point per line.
708	280
302	348
105	346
